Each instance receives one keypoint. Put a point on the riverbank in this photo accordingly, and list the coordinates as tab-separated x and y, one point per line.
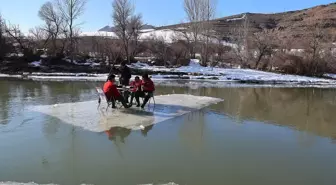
192	74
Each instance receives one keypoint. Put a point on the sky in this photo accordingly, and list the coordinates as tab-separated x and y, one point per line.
155	12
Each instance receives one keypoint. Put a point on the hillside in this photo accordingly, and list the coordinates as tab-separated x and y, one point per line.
294	24
112	29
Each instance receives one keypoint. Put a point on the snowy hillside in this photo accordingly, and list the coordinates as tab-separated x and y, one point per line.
168	35
146	34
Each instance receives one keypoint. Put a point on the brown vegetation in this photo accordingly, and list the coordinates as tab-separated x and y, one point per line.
298	42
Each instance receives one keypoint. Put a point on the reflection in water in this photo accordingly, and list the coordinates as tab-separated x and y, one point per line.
305	109
145	131
203	147
192	131
120	134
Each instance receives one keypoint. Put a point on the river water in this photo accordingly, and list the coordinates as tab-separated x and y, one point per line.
256	136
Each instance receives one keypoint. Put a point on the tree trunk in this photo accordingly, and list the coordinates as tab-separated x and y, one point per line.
71	32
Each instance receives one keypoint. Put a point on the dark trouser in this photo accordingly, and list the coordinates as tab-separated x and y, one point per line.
145	94
136	95
126	95
125	82
122	100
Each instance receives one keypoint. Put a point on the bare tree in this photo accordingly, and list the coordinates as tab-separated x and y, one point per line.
315	48
240	38
199	14
39	36
4	46
14	32
194	11
159	48
113	50
263	44
71	10
53	22
185	35
135	25
208	13
114	53
126	24
179	52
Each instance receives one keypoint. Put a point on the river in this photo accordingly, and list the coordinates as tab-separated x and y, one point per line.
255	136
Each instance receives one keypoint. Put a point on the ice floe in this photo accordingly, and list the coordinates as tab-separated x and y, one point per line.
86	115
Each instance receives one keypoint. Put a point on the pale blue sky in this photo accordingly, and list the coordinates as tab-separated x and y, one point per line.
155	12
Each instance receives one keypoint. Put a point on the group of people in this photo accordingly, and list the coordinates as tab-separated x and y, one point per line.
138	88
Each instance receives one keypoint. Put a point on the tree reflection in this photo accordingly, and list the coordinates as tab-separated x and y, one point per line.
305	109
4	101
192	130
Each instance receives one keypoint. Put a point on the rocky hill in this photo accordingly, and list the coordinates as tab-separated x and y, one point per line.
293	24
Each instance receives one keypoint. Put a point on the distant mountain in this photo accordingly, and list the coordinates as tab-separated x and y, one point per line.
107	29
292	24
111	29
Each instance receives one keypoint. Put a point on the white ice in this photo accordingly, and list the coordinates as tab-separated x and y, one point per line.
225	74
86	115
195	72
35	64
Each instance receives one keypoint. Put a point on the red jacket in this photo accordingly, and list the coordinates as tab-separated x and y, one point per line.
135	86
148	85
110	90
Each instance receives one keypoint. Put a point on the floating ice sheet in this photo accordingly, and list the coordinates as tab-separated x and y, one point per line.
87	116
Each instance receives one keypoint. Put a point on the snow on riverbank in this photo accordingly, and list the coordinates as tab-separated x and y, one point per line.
197	74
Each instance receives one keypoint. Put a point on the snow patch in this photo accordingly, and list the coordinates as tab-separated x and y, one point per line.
35	64
85	114
10	76
236	19
44	56
246	75
99	33
139	65
88	62
330	75
166	34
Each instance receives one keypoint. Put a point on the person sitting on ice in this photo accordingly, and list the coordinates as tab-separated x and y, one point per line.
148	89
112	94
136	89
